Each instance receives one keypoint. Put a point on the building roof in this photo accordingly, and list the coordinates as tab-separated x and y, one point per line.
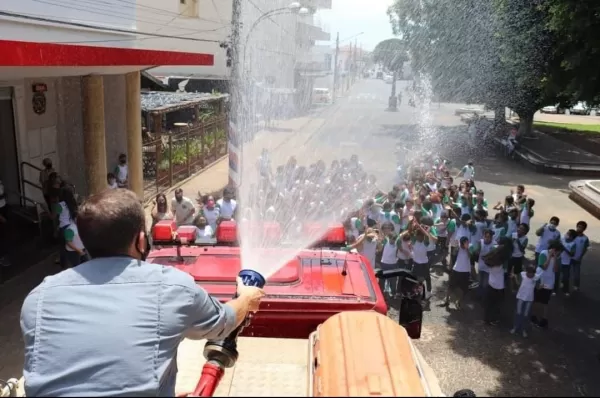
163	102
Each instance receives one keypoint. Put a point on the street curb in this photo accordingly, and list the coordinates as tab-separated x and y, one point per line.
148	202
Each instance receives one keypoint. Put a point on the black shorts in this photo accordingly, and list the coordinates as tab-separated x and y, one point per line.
420	270
515	265
542	296
442	242
460	280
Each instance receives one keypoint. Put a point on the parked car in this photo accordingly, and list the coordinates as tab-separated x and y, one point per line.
388	79
556	109
379	75
468	109
321	96
580	108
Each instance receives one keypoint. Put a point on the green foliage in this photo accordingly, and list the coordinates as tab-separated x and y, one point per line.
517	53
391	53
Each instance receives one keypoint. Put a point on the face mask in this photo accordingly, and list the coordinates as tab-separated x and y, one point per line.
552	227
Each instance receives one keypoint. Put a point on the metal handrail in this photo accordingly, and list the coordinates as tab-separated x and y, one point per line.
38	206
26	181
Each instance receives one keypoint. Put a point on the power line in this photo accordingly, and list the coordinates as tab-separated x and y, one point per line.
100	28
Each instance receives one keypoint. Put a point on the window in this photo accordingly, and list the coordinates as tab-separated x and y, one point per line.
188	8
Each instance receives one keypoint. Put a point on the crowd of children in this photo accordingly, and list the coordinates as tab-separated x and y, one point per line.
431	219
428	219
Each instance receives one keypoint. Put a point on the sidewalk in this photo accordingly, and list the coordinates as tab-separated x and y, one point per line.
547	154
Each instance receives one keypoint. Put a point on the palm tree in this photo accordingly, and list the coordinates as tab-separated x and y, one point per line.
392	55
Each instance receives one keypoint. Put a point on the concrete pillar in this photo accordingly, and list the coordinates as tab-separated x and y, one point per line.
134	133
94	140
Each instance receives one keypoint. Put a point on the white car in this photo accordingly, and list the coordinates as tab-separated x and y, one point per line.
580	108
321	96
552	109
388	79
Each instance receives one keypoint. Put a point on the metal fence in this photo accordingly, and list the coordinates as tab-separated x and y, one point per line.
177	155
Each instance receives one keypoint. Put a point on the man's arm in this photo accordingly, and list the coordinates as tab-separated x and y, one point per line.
210	319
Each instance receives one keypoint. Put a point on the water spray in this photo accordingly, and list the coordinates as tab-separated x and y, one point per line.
223	354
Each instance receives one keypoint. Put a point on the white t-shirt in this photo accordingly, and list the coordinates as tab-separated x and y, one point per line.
527	287
496	278
207	232
463	261
523	239
548	277
122	172
547	236
468	172
420	253
388	256
182	209
483	250
524	219
72	235
369	250
227	208
211	217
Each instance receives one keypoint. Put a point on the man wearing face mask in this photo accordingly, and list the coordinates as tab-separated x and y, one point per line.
112	326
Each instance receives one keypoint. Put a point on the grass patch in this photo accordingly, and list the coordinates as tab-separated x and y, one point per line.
577	128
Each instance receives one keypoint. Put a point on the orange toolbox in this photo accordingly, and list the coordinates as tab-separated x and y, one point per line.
363	353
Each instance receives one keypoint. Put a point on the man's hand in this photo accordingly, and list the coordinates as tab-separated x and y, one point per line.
252	294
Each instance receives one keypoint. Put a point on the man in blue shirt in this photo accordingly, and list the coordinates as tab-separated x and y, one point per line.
111	326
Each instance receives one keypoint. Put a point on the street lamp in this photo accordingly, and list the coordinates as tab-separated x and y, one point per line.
239	107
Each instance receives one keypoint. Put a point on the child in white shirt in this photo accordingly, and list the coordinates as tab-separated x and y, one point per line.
525	295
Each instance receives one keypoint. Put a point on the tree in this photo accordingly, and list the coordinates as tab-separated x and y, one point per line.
496	52
392	54
577	24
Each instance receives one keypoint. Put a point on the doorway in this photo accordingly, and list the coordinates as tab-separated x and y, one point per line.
9	158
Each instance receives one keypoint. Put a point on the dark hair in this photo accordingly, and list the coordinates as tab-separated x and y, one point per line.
464	393
525	226
572	233
555	219
110	221
162	208
530	269
110	175
66	195
531	202
555	244
521	187
582	224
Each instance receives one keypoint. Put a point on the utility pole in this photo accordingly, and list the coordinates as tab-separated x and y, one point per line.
354	65
237	125
335	66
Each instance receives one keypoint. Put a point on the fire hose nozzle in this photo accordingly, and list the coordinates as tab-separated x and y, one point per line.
225	351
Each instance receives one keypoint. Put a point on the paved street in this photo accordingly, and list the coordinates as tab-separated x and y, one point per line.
463	352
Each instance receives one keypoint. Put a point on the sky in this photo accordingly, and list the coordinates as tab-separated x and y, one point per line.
350	17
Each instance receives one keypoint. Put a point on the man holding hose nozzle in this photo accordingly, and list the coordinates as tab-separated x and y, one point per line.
111	326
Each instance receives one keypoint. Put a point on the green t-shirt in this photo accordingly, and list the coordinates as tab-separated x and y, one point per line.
57	209
69	235
451	226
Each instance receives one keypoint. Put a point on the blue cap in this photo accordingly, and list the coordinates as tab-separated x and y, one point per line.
252	278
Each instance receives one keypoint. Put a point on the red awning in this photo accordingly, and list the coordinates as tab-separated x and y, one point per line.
33	54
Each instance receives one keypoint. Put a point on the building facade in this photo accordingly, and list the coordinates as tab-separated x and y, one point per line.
70	89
